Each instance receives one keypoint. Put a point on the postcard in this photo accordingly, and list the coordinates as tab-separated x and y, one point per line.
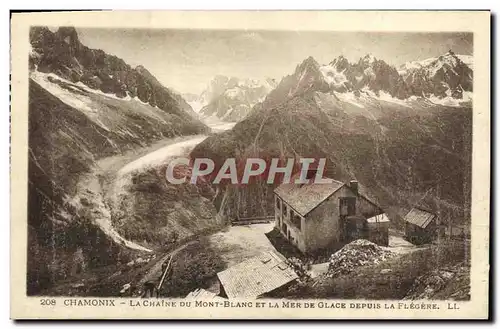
250	165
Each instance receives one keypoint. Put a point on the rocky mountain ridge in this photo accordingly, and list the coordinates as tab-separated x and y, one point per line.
437	79
63	54
446	75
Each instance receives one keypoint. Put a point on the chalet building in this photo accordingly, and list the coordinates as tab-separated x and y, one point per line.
318	216
420	226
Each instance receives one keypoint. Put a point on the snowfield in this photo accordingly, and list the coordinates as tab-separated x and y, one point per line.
74	100
332	76
349	98
450	101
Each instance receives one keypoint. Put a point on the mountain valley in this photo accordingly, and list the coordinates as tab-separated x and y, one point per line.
101	133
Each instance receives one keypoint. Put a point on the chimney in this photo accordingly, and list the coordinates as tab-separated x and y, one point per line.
354	186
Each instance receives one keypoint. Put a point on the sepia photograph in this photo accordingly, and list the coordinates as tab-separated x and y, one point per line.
221	167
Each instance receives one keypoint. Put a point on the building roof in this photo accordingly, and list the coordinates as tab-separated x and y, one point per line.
419	217
202	294
382	218
256	276
306	197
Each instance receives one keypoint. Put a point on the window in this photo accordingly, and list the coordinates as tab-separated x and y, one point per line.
284	228
278	203
297	221
348	206
285	210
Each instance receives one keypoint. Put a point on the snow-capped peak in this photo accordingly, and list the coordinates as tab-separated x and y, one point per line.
333	74
340	63
307	64
369	59
446	77
235	97
449	59
467	60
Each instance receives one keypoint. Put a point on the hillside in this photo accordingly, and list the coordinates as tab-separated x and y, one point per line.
85	105
151	211
402	151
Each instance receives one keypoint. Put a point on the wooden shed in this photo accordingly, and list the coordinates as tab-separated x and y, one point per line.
202	294
256	277
420	226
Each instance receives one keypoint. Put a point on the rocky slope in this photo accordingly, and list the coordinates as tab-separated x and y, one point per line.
84	105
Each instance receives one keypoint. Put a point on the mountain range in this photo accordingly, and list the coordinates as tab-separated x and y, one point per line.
446	79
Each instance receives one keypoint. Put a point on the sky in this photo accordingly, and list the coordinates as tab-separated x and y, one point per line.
186	60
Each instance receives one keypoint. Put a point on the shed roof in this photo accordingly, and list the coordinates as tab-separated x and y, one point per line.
304	198
256	276
419	217
202	294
